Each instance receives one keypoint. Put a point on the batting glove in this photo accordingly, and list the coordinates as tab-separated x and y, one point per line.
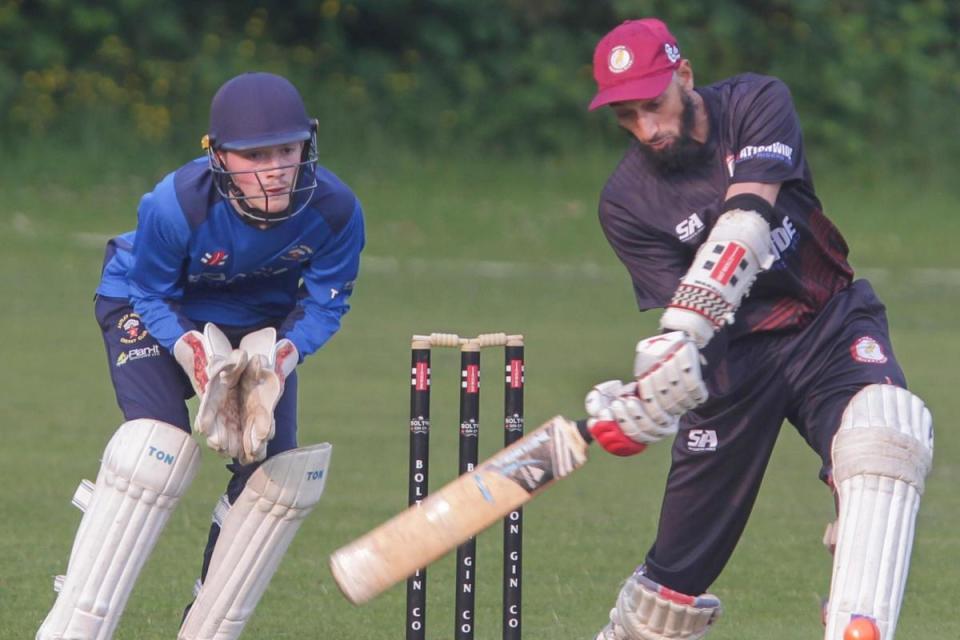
667	370
621	422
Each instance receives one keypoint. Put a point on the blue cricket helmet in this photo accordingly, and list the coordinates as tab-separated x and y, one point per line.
257	110
254	110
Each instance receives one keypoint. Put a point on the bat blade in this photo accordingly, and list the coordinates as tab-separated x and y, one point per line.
461	509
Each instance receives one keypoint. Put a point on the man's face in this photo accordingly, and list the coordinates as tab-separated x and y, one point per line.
664	128
265	175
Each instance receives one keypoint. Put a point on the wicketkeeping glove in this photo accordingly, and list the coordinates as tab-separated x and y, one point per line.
261	385
214	369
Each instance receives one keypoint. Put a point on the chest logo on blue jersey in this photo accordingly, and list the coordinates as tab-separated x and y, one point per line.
299	253
216	258
689	227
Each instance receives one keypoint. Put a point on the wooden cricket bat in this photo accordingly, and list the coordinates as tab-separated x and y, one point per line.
423	533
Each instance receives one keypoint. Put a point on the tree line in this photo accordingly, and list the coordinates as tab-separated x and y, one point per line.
511	75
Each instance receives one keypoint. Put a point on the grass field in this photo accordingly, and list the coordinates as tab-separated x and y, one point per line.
466	246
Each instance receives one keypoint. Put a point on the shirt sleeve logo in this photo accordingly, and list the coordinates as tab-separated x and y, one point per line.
774	151
866	349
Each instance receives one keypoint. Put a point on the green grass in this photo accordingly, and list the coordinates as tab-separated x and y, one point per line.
463	245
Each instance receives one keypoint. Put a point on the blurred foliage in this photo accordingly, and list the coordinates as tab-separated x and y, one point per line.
504	75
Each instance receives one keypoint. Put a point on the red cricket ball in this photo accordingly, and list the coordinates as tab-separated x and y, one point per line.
861	629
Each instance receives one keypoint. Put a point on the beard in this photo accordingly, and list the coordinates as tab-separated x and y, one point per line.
685	152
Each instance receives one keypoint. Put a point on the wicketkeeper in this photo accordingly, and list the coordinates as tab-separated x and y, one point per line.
713	212
241	266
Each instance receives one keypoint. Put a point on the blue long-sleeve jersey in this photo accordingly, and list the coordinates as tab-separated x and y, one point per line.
193	260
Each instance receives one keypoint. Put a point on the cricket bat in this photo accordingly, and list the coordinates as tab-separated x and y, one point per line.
371	564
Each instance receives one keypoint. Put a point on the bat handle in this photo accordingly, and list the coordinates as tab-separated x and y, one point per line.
584	431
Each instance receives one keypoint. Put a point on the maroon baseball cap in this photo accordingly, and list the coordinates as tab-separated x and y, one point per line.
635	61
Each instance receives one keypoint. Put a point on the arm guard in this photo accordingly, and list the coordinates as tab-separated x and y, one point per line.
738	248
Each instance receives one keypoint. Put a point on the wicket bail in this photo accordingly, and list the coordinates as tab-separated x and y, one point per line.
420	347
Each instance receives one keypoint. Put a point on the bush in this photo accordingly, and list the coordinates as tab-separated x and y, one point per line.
504	76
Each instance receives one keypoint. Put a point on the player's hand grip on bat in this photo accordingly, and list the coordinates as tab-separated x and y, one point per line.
625	418
620	420
667	368
214	369
261	385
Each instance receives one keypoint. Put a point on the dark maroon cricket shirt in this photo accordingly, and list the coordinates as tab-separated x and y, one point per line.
656	221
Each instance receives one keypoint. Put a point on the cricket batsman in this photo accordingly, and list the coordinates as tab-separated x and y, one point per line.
713	212
241	266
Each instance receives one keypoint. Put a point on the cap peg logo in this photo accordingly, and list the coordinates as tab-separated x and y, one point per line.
621	59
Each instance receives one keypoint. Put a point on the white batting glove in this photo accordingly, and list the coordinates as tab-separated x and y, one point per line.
261	385
667	370
621	422
214	369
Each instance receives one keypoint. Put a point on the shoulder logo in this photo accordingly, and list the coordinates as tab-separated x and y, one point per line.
672	51
774	151
621	59
868	350
216	258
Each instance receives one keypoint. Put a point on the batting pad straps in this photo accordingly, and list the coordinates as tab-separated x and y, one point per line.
738	248
254	536
146	467
649	611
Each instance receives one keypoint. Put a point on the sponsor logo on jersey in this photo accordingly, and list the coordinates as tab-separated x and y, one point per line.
216	258
690	227
216	279
132	329
773	151
866	349
138	354
300	253
784	239
621	59
702	440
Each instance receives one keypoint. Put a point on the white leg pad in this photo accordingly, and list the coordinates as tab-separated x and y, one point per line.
146	467
253	538
648	611
881	454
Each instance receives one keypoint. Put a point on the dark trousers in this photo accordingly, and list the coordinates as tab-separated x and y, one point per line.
149	383
722	449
